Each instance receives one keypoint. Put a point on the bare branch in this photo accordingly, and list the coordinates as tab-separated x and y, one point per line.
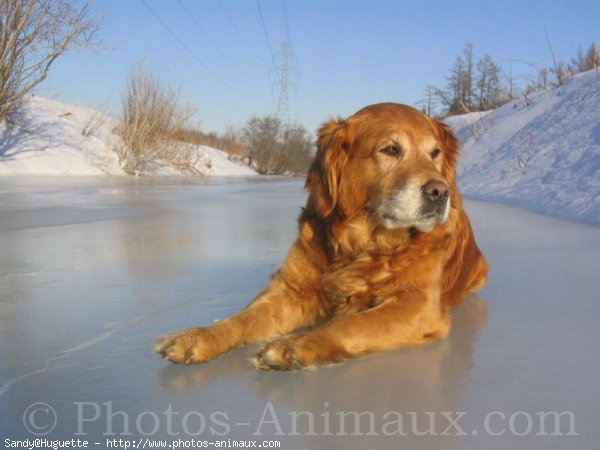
33	35
558	65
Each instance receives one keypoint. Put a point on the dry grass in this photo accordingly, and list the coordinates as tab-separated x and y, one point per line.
229	142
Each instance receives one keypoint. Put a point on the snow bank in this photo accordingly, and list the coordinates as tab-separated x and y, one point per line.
47	137
544	155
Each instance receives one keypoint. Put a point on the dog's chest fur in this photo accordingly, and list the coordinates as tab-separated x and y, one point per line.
370	266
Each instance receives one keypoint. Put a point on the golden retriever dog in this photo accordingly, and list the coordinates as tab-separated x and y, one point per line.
385	249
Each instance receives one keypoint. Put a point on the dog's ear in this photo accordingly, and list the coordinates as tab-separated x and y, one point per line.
451	149
324	175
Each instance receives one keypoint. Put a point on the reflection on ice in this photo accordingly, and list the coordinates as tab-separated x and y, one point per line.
94	270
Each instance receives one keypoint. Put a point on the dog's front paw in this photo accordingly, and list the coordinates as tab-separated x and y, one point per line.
279	355
303	351
192	346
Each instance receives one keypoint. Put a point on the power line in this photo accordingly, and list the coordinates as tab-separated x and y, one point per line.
284	64
262	20
236	29
186	48
286	24
206	35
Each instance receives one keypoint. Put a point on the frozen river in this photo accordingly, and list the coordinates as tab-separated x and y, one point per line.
92	271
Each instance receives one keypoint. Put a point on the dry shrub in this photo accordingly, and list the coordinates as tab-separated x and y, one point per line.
151	116
93	122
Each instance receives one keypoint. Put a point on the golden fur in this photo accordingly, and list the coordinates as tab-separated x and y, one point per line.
384	251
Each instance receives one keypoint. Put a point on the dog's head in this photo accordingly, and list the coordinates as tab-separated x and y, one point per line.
388	160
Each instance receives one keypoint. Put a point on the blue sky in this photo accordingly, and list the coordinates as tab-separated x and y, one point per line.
349	53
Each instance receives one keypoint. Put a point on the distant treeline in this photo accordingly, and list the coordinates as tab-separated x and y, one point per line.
481	84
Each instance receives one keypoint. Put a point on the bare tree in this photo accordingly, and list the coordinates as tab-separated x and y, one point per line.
430	100
468	91
512	84
578	62
297	146
592	58
491	93
263	136
277	148
33	34
455	94
543	81
459	95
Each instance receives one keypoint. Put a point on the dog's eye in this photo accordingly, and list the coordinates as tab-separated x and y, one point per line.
435	153
392	150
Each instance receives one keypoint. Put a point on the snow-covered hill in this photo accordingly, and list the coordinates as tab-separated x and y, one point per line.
47	137
544	155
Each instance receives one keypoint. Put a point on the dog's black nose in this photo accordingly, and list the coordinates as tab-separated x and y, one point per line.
435	190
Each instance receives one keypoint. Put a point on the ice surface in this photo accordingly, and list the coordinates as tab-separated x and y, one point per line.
94	270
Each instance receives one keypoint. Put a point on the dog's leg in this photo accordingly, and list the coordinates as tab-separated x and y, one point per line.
290	302
467	269
411	319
